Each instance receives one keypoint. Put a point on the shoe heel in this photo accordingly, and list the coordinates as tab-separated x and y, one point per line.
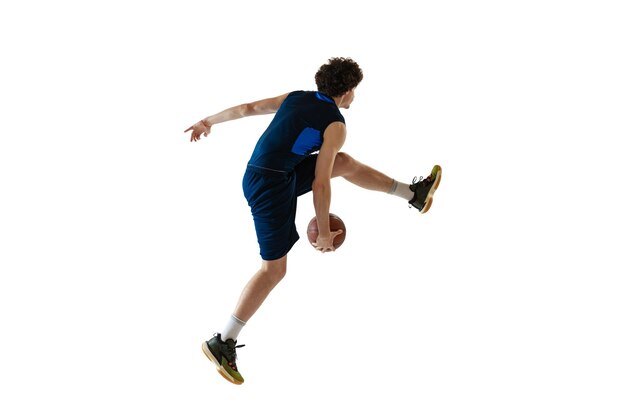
427	205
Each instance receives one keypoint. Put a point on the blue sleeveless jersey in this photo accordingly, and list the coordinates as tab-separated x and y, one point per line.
296	131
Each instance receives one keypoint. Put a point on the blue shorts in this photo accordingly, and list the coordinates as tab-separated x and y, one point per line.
272	196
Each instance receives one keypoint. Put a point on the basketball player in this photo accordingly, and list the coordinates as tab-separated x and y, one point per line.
285	165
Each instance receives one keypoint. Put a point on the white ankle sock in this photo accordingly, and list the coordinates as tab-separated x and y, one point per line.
401	190
233	328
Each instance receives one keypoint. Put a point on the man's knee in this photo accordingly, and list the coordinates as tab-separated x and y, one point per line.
276	269
280	272
343	164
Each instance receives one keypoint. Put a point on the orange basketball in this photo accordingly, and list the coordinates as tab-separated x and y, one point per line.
335	224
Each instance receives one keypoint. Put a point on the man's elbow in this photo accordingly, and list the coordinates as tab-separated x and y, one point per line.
246	109
256	108
320	185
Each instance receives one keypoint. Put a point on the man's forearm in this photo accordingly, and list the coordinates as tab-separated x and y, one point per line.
232	113
260	107
321	202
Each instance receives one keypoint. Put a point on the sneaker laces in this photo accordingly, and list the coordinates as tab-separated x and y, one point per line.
231	355
415	183
230	350
421	179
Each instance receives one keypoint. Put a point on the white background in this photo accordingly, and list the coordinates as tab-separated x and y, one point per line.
123	246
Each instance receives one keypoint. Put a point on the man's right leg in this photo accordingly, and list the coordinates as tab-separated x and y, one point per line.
419	194
221	348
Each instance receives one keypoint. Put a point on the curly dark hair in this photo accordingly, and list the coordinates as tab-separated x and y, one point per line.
338	76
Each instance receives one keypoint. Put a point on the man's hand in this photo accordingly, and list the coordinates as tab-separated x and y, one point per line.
198	129
325	244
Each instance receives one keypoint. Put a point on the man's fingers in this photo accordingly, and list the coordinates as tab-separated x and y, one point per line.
188	129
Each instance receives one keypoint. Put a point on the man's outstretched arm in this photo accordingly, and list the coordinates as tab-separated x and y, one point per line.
260	107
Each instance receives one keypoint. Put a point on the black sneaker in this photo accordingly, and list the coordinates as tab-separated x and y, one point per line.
224	356
424	188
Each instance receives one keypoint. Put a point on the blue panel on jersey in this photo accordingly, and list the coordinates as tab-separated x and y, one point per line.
309	140
324	98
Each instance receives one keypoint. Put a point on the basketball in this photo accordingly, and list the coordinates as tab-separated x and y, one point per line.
335	224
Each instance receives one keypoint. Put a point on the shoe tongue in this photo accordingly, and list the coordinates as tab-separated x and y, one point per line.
231	343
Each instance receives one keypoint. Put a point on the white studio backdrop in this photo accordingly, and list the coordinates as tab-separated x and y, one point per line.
123	246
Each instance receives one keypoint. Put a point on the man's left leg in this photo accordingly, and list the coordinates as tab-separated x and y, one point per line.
221	349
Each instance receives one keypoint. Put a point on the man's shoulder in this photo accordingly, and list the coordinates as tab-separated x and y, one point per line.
300	93
309	101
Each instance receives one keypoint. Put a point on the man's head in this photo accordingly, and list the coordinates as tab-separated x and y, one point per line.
339	77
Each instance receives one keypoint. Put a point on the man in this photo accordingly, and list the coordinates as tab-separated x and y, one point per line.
283	166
